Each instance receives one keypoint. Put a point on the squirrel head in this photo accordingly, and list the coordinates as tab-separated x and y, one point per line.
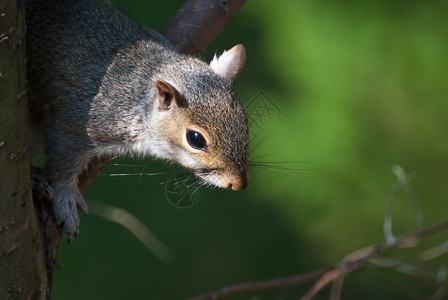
200	122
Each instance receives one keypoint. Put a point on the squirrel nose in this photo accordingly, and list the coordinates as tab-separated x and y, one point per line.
236	183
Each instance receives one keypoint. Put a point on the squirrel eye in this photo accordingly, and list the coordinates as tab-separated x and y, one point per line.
196	140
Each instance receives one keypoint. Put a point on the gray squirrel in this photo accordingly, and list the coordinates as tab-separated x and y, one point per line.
99	85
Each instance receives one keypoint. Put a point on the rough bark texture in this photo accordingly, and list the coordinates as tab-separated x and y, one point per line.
29	236
23	252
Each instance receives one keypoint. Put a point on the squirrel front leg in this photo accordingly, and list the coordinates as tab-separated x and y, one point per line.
66	159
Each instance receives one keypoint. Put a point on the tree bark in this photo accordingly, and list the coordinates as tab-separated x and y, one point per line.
29	236
23	253
198	22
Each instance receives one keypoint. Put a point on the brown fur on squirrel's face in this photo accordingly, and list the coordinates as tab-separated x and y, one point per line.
209	137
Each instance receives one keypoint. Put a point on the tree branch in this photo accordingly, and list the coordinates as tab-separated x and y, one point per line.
261	285
354	261
198	22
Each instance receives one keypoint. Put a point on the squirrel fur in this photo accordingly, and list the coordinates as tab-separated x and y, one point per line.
99	85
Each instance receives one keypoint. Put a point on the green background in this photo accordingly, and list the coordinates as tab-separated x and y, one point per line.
357	87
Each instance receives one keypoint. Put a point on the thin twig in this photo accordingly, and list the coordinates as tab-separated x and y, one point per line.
354	261
261	285
336	289
323	281
361	258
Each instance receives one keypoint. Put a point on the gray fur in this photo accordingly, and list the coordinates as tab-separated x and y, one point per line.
92	73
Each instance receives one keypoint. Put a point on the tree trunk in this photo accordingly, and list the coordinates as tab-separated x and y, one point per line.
23	253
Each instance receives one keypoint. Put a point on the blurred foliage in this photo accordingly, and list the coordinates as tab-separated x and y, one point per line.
359	86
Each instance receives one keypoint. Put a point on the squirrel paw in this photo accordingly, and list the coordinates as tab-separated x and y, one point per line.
65	208
41	187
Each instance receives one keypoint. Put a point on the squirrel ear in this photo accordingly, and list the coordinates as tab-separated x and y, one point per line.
230	63
166	94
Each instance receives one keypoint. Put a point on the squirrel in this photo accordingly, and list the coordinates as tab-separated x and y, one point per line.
99	84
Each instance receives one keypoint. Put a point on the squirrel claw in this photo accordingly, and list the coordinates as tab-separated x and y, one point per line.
70	236
82	206
65	209
54	265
